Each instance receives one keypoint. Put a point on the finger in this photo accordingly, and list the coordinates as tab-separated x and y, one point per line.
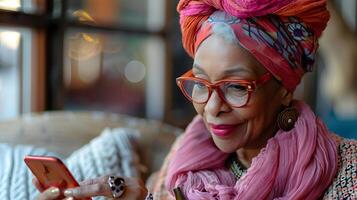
38	185
50	194
99	180
89	191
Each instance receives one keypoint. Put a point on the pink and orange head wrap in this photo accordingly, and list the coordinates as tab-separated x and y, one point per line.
281	34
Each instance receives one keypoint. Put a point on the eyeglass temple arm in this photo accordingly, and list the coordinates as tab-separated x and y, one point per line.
187	74
266	77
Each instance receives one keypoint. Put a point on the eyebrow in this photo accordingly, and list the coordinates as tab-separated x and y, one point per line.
234	70
197	67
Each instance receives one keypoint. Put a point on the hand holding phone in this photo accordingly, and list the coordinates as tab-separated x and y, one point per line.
51	172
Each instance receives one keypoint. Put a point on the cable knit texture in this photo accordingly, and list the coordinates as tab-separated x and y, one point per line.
113	152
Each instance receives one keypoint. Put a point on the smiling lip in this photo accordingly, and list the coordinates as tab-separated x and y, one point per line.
222	130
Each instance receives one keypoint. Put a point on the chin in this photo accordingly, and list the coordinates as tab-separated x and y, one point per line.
225	147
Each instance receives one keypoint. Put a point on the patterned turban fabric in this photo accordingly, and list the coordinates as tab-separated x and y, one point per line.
281	34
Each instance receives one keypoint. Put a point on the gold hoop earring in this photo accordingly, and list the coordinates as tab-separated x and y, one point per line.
287	118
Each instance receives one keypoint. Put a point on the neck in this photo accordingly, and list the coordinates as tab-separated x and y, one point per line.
245	155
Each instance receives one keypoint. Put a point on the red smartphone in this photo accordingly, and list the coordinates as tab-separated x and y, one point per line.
51	172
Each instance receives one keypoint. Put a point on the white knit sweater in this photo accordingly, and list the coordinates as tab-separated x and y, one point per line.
113	152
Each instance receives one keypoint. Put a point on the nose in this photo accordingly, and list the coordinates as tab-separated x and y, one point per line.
215	105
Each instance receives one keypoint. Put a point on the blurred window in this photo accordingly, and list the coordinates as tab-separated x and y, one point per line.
148	14
15	72
114	55
26	6
114	72
10	72
21	58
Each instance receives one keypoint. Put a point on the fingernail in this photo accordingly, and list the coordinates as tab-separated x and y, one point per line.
69	198
68	193
55	191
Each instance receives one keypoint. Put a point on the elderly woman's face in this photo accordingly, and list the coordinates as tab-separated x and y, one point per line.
234	128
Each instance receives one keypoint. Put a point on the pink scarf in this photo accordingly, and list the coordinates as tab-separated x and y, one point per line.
299	164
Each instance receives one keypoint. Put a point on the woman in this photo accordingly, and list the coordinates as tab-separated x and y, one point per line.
250	140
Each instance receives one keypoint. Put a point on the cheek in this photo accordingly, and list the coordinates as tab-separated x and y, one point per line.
261	111
258	122
266	110
199	108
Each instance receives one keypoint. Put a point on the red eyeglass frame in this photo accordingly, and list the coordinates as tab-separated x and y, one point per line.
251	86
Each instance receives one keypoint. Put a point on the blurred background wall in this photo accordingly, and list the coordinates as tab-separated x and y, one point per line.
123	56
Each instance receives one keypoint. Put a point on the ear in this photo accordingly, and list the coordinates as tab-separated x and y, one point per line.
286	97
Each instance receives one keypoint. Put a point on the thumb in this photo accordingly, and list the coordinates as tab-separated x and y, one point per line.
50	193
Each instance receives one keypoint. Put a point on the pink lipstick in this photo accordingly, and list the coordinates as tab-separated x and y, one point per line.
222	130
